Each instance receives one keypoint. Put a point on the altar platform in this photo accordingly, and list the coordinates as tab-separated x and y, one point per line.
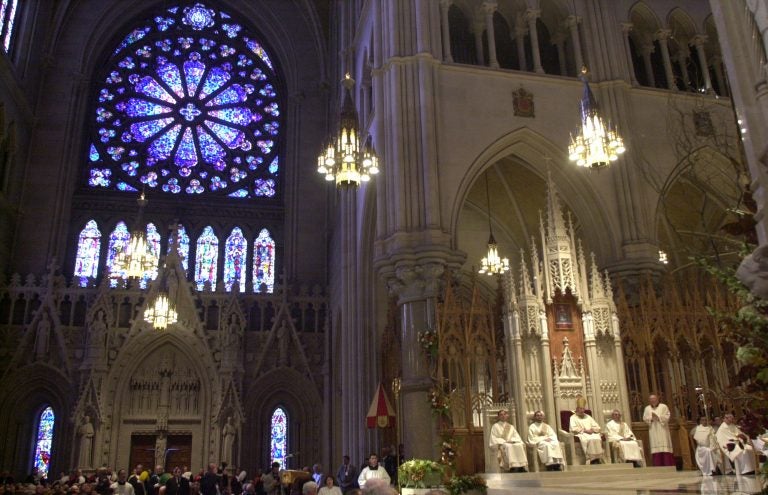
619	479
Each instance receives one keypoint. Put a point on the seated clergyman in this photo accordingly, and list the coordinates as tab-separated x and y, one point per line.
544	438
621	438
707	450
736	446
588	432
510	447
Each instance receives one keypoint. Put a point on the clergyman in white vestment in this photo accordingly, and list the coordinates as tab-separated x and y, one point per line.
510	446
588	431
621	438
707	450
545	439
657	416
736	445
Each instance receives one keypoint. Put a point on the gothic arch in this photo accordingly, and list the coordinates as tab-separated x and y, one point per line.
531	149
298	396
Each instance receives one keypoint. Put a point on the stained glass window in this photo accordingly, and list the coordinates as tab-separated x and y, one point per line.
279	437
206	261
88	249
234	260
153	242
7	20
188	105
118	239
264	262
44	441
183	247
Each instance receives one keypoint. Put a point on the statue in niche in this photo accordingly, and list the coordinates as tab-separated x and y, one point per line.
161	444
227	440
98	337
230	340
282	345
42	337
86	432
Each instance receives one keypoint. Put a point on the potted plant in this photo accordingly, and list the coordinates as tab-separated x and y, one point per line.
418	475
473	484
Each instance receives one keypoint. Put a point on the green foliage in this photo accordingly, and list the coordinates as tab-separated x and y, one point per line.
416	473
461	484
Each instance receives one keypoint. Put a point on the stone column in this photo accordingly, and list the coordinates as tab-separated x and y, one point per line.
682	61
572	23
663	36
646	51
626	28
479	26
488	9
559	41
699	41
446	30
717	65
520	31
531	15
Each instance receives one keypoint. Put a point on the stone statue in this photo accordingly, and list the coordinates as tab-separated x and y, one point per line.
282	344
97	336
161	448
86	433
42	337
753	272
227	440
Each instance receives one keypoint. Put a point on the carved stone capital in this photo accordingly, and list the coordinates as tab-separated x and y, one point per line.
446	4
663	35
699	40
572	21
489	7
414	282
627	27
532	14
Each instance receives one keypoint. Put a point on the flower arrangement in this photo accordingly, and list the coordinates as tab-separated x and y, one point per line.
419	473
438	401
428	342
449	445
462	484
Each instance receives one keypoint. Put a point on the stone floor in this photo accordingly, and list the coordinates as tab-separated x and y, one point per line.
615	480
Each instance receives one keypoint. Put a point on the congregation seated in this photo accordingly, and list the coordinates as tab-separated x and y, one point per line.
586	429
736	446
622	441
508	445
544	438
707	449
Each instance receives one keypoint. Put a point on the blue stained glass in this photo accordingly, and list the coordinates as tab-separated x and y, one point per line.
278	444
162	146
264	263
274	166
186	154
122	186
118	240
193	72
264	187
149	87
142	131
88	249
236	115
199	17
135	107
217	77
233	94
230	136
44	441
100	177
212	152
186	108
183	247
206	259
170	75
240	193
234	260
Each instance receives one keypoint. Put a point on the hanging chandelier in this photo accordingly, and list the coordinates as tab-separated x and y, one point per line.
345	158
596	143
136	258
161	313
492	264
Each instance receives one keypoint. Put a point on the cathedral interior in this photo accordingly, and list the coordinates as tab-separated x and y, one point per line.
179	285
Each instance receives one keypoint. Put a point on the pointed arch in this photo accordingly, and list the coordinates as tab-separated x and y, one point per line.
235	250
8	11
88	251
153	243
44	441
206	259
278	435
182	247
118	240
264	262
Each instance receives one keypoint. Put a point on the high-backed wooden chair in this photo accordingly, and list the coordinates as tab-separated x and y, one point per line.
489	415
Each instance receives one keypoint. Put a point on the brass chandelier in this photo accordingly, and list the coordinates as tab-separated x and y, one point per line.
596	143
161	312
136	258
492	264
346	159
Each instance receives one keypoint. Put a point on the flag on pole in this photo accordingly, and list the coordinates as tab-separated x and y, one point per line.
380	414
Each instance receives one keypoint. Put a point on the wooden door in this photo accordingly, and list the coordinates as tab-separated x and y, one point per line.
179	452
142	452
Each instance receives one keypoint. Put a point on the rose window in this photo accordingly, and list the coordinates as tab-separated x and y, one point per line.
188	106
